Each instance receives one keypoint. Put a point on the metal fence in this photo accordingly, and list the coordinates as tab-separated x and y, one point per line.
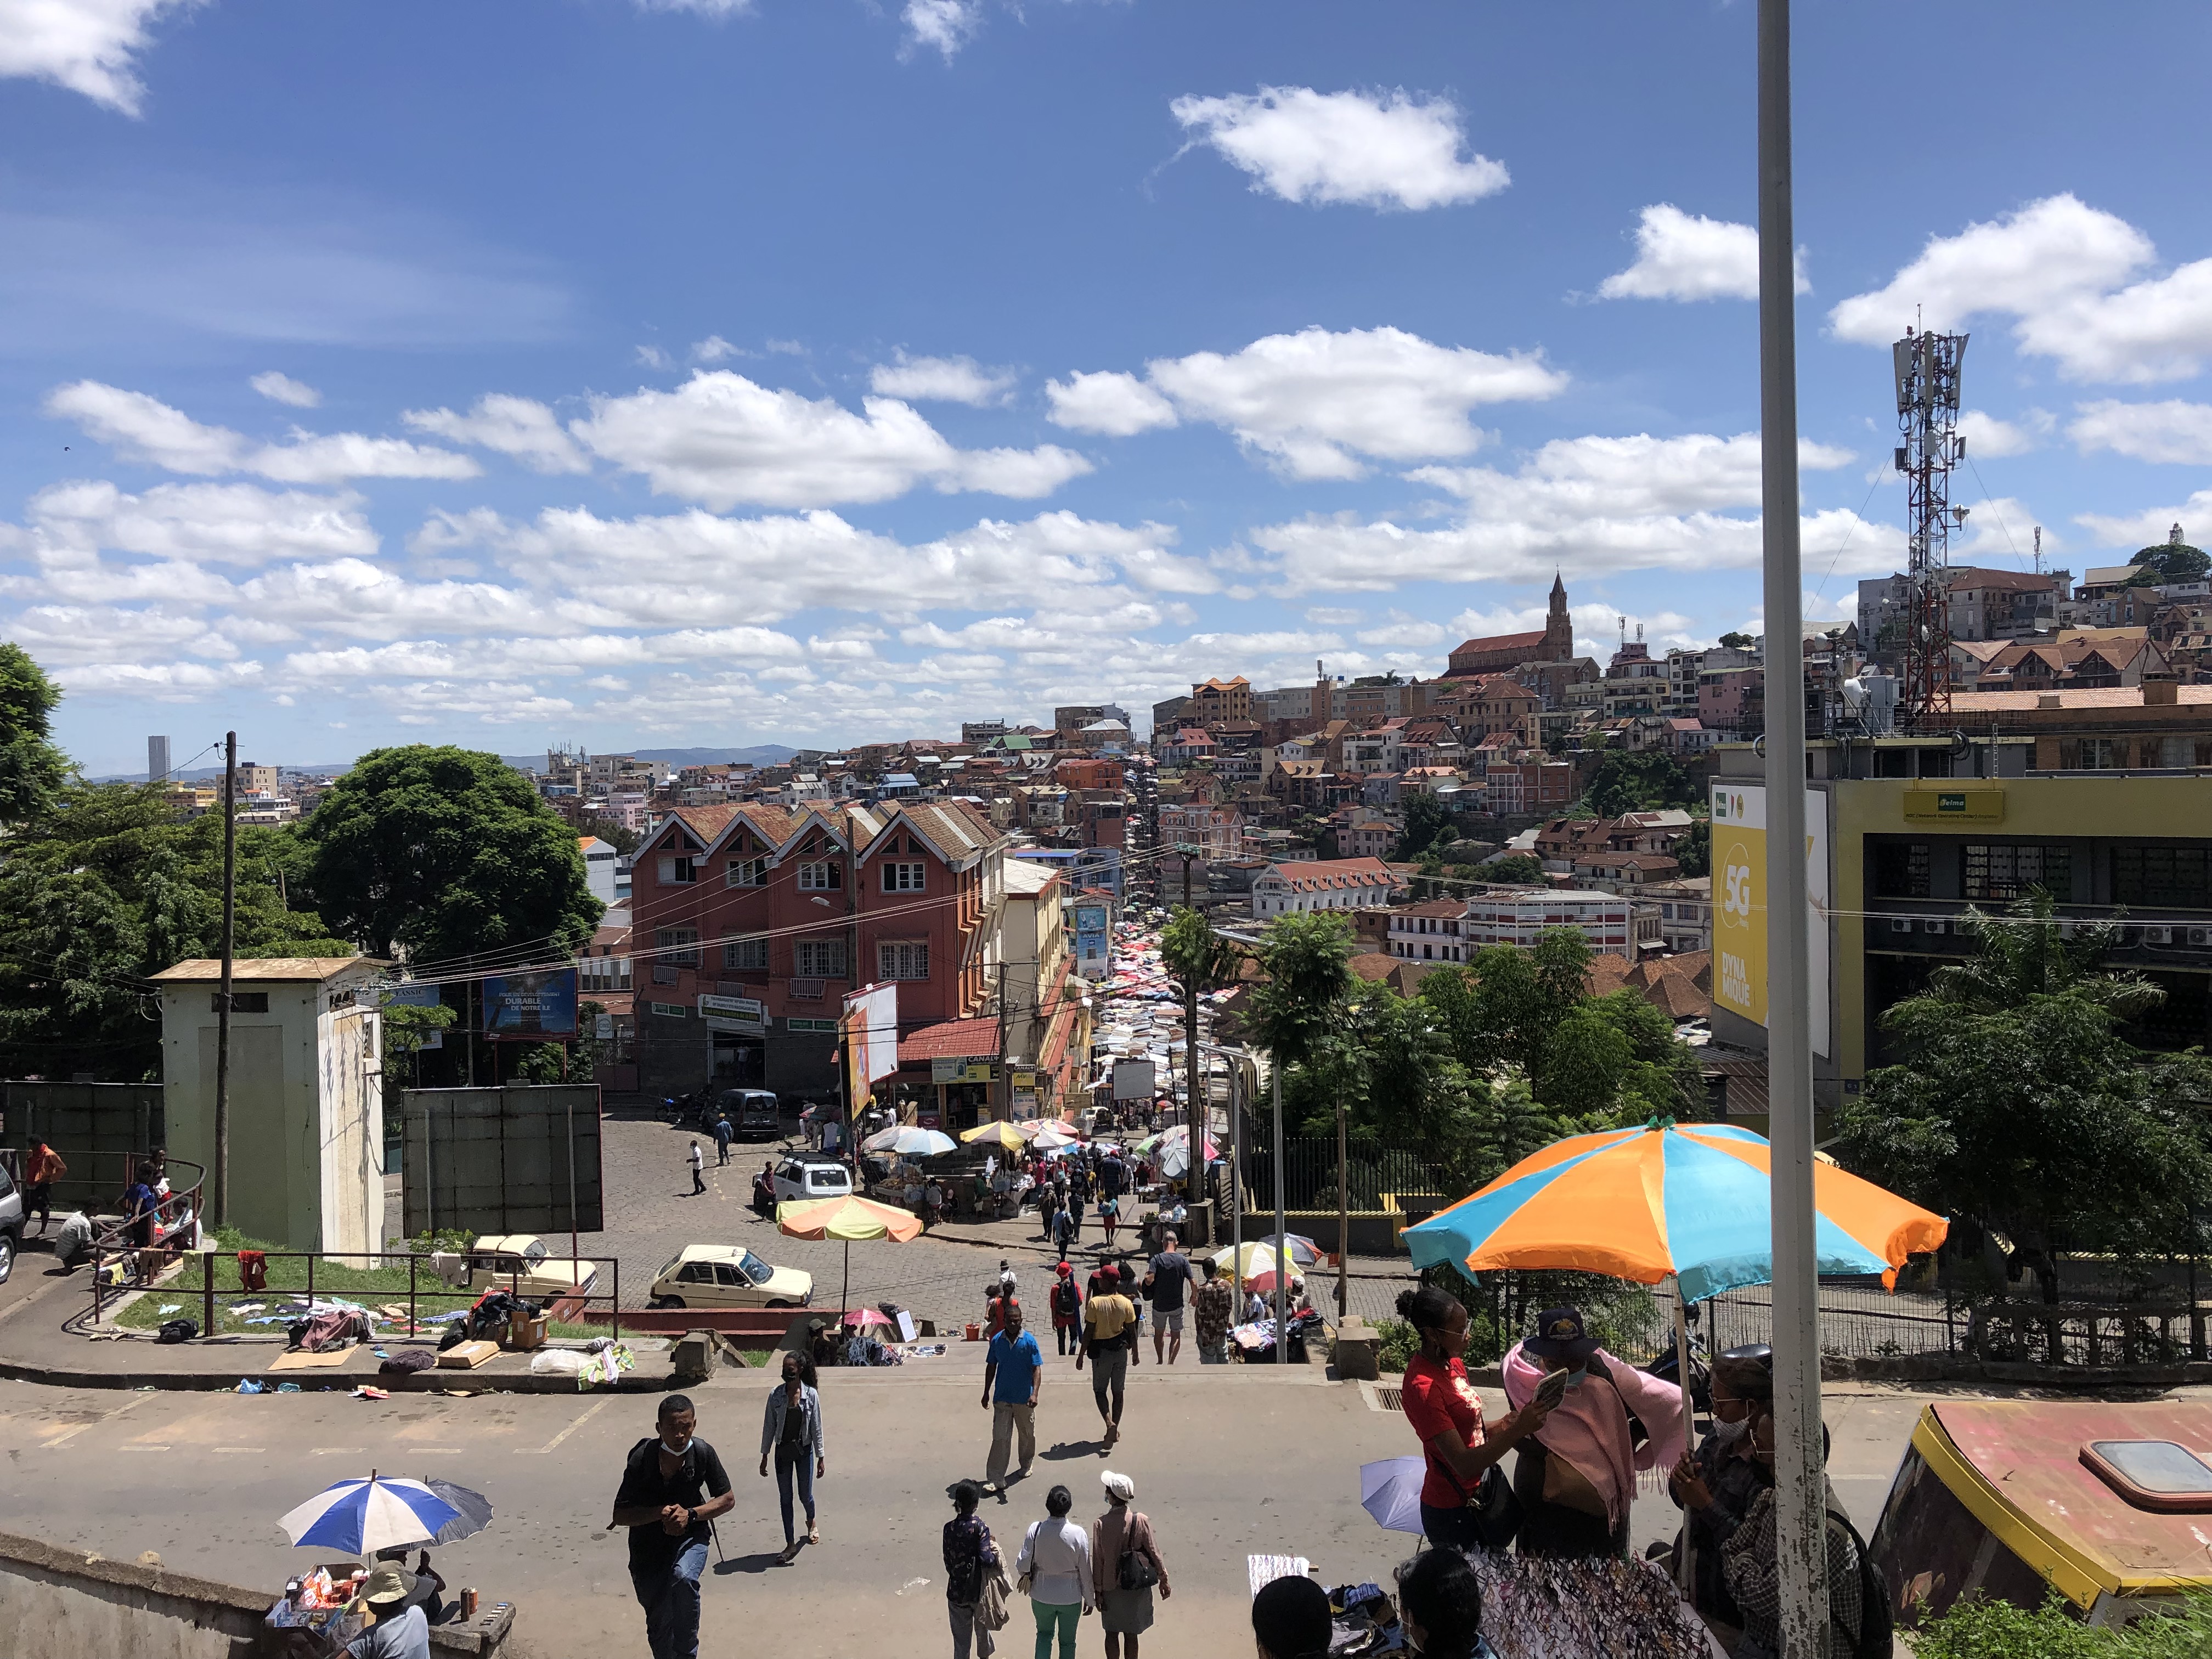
1372	1166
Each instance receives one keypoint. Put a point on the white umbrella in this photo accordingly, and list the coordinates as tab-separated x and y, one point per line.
1051	1139
1390	1490
908	1141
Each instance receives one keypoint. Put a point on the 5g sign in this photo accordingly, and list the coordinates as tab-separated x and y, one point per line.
1736	893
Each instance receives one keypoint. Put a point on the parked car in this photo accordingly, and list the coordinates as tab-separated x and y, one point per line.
11	1223
812	1175
754	1114
524	1262
728	1276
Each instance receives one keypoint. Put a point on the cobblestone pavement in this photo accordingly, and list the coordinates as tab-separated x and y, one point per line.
651	1216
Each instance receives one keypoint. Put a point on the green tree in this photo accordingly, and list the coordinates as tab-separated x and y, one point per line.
1645	782
1738	642
1515	870
2021	1109
2173	562
1199	961
31	769
1298	1010
1694	852
449	854
1426	821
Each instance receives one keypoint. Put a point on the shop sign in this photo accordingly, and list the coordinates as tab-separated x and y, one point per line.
945	1071
746	1015
1025	1080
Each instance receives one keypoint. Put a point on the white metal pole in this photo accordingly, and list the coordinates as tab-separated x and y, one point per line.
1689	1415
1282	1265
1800	1496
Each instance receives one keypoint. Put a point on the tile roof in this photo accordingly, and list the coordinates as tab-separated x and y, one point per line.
1322	875
2109	696
952	1039
1372	966
267	968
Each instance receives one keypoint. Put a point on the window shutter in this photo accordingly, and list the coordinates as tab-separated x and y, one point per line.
667	870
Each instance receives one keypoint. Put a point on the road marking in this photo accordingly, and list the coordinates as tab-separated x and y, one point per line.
338	1451
540	1451
70	1434
242	1448
140	1445
436	1451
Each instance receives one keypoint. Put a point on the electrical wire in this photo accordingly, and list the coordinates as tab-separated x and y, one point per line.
1990	501
1857	518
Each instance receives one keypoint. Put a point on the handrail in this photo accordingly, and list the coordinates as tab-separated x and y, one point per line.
112	1234
115	1236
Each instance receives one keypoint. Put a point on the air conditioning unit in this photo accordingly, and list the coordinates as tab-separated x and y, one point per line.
2200	936
2158	936
1935	927
1901	925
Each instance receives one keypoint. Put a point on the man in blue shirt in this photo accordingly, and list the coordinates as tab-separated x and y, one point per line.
1011	1371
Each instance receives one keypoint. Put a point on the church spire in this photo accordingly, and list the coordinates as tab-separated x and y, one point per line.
1558	627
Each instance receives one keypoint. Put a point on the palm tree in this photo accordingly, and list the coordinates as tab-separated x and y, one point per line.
2028	952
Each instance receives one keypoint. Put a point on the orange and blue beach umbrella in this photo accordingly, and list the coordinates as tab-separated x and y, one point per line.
1689	1199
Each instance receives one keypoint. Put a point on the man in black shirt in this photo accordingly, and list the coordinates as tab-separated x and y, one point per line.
660	1502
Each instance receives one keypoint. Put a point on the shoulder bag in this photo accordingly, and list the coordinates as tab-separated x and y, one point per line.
1135	1571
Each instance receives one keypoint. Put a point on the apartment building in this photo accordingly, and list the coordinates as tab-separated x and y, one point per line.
1686	912
1218	833
1322	884
1220	700
1453	930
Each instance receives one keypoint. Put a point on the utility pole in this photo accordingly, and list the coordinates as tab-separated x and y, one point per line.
1197	1108
1282	1272
220	1210
1343	1206
1799	1500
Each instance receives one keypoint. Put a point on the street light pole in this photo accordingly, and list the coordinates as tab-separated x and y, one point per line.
219	1210
1800	1496
1282	1272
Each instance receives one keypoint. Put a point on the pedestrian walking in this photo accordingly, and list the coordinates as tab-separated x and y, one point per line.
1447	1415
673	1488
1055	1562
41	1169
1109	1329
1066	1311
791	1432
698	1160
1110	1216
971	1559
1064	1224
1213	1307
722	1133
1167	1278
1013	1369
1125	1565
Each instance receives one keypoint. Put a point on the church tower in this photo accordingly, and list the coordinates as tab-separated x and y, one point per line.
1559	628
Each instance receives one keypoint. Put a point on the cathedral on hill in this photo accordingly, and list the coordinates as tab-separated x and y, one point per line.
1502	654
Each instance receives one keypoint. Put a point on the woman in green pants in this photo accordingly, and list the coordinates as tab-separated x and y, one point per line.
1055	1564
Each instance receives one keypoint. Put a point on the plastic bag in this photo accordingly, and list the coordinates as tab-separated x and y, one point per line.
178	1330
558	1362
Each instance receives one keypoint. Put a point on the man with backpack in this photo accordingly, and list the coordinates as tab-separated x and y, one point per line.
1066	1311
673	1488
1859	1614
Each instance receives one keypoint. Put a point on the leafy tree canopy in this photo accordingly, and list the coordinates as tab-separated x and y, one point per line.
31	769
2173	561
1298	1011
1737	641
1694	852
1647	780
449	855
1426	823
1523	869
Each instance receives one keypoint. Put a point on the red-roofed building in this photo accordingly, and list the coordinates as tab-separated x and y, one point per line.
1324	885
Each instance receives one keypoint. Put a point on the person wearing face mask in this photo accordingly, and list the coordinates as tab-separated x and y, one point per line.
1447	1414
1440	1603
1575	1477
663	1502
791	1432
1716	1485
1751	1568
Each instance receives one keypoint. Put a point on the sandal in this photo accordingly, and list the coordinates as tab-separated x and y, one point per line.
813	1532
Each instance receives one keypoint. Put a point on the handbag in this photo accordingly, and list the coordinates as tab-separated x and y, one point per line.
1496	1509
1029	1554
1135	1571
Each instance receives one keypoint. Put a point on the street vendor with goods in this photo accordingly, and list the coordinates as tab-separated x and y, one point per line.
399	1629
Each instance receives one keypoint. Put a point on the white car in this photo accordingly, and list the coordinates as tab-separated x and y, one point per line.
809	1175
728	1276
524	1263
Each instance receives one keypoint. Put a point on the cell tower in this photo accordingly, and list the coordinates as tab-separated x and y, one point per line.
1927	365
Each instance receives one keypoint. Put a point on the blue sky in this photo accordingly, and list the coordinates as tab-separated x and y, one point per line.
709	373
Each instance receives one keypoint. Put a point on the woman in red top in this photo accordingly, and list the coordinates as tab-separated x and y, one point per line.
1442	1405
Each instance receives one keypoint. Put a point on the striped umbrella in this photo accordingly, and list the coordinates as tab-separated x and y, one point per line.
847	1218
1689	1199
359	1516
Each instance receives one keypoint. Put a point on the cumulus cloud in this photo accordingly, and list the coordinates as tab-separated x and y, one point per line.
713	349
1687	256
2131	530
284	389
87	45
2061	270
722	440
234	524
1379	149
520	427
1109	402
2170	431
1993	438
946	26
942	379
144	428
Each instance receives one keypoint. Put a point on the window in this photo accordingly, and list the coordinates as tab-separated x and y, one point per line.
1900	869
825	878
746	872
822	958
678	946
678	871
908	960
903	878
2093	755
745	955
241	1002
605	973
2008	873
2177	876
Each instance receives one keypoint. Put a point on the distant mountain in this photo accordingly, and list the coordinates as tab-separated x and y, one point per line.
762	754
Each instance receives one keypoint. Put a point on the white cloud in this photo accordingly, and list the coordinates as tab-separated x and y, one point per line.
1381	149
240	524
652	356
520	427
87	45
1588	506
1687	256
713	349
2061	270
1118	404
2131	531
1993	438
1313	402
2170	431
146	429
942	379
722	440
945	25
284	389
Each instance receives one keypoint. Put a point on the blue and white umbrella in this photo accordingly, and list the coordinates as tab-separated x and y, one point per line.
360	1516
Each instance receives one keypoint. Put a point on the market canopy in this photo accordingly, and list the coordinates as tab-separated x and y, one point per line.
1007	1136
910	1141
1691	1199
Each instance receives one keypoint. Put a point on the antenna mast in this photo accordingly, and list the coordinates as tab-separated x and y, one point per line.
1927	367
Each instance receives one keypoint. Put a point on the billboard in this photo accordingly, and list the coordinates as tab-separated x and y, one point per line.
747	1016
502	1160
538	1006
872	1033
1739	866
1132	1079
1094	958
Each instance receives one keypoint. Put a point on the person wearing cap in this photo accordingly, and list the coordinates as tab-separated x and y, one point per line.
1290	1620
1109	1324
1067	1309
1121	1540
398	1628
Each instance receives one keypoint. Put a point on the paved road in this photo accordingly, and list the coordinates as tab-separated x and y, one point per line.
1229	1462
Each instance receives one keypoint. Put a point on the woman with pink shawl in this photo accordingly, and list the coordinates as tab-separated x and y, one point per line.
1576	1479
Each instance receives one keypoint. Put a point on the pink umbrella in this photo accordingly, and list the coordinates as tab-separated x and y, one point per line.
861	1318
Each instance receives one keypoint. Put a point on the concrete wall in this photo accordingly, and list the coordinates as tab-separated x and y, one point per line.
57	1604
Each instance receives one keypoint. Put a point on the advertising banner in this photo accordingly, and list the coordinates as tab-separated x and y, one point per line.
1094	957
871	1031
536	1006
1132	1079
1739	876
747	1016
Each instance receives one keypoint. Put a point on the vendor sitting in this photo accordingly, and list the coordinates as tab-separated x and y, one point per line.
399	1629
828	1344
435	1609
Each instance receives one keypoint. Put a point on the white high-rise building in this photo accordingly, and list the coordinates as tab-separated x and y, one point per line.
157	759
